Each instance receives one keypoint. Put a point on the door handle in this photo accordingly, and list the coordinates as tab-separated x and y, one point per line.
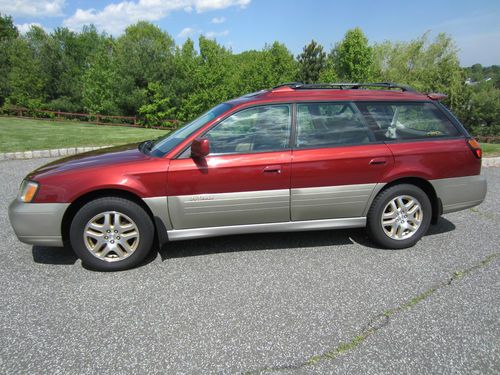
378	161
272	169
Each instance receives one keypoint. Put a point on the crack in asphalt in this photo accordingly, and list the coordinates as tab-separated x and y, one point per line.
378	322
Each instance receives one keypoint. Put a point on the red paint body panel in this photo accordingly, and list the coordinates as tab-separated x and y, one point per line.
433	160
123	168
230	173
340	165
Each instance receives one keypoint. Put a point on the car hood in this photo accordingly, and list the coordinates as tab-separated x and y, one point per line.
102	157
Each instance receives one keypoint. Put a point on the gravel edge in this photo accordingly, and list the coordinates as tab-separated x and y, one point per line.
491	162
38	154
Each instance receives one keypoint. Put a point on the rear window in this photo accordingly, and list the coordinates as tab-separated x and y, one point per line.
408	120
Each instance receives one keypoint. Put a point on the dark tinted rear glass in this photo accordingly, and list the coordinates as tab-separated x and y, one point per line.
401	121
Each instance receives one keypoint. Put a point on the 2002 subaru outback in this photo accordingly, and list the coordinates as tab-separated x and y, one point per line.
297	157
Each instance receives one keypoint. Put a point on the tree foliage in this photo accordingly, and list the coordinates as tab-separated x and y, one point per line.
8	34
144	73
352	58
143	54
312	63
99	81
427	66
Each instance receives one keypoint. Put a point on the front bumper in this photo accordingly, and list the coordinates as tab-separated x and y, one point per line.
37	223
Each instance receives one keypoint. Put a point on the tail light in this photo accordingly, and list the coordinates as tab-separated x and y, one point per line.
475	147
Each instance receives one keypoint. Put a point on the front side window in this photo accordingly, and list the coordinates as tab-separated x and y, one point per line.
329	125
256	129
165	144
400	121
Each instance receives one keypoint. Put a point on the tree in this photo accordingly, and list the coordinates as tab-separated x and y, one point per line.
427	66
25	78
144	54
99	81
312	62
76	50
7	29
157	108
211	79
283	67
257	70
480	111
8	33
186	61
352	58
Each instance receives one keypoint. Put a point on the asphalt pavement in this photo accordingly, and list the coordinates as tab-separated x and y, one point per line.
309	302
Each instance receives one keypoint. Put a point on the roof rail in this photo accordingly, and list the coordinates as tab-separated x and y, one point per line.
342	86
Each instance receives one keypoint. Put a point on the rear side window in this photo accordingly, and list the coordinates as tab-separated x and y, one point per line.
330	125
401	121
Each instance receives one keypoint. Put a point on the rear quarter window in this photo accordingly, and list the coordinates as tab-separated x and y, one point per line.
406	121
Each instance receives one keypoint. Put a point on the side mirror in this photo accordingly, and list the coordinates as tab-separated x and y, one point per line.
200	148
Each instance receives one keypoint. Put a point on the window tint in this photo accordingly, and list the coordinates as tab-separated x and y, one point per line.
257	129
392	121
329	124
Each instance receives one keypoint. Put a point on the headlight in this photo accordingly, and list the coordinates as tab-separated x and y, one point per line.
27	191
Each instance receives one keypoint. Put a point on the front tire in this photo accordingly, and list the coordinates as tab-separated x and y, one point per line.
111	234
399	216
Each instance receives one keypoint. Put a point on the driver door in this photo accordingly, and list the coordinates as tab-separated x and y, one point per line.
245	179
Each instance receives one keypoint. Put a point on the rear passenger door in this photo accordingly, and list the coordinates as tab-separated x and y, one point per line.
336	162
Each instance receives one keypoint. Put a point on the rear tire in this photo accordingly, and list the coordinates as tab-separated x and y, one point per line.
111	234
399	216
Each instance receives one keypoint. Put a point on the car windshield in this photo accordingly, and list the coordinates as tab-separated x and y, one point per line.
166	143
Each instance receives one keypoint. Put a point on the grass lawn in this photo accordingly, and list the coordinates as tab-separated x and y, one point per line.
24	134
490	149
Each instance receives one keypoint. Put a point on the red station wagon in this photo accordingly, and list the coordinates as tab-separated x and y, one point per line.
296	157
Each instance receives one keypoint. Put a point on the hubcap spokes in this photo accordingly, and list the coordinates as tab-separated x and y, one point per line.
111	236
402	217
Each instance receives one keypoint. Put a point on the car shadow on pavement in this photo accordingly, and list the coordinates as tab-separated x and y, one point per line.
255	242
239	243
288	240
443	226
53	255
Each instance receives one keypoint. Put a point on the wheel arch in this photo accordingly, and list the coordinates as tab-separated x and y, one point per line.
101	193
422	183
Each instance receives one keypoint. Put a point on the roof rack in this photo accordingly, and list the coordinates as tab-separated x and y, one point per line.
342	86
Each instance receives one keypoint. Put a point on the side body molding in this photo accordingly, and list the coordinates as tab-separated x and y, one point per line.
290	226
159	208
332	202
223	209
459	193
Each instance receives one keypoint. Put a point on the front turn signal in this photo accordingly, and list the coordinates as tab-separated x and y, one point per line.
27	191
